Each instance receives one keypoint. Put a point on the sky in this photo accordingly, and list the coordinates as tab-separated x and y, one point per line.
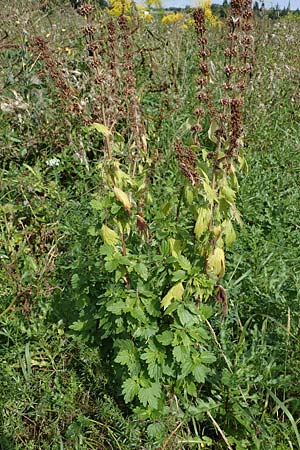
268	3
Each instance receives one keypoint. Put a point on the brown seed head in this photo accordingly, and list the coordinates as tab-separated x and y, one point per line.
188	163
86	9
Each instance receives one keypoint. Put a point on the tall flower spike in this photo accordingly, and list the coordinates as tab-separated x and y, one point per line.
40	46
238	67
188	163
203	94
134	112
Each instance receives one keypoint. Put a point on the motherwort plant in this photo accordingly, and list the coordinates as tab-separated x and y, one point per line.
162	243
223	111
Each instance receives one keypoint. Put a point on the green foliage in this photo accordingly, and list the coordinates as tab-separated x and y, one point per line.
110	333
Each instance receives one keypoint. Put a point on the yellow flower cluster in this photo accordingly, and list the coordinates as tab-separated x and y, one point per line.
153	3
173	18
144	13
188	22
119	7
210	18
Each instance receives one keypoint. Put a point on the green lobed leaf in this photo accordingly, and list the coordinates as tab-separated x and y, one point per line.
130	389
150	395
191	389
185	317
184	263
200	372
116	307
124	357
181	353
165	338
78	325
97	204
141	270
156	430
207	357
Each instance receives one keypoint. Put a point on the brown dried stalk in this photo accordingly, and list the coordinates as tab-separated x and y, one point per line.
100	76
237	69
188	163
139	147
204	95
40	46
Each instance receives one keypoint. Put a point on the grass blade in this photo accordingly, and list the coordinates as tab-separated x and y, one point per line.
288	414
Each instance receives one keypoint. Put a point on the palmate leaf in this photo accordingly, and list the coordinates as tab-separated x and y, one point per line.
124	357
165	338
109	236
185	317
150	356
123	198
154	359
191	389
150	395
97	204
100	128
130	389
156	430
128	358
181	353
229	232
186	367
216	262
116	307
176	292
202	222
200	372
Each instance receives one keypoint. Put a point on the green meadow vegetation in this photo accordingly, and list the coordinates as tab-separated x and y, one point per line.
149	228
